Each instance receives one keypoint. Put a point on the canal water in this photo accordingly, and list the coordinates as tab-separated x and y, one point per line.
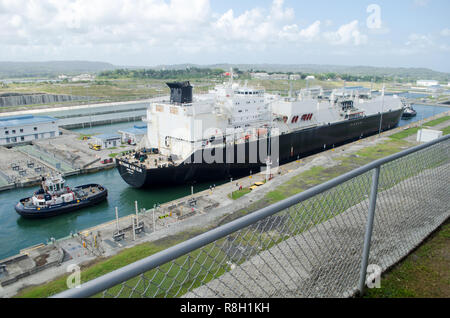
423	112
17	233
108	129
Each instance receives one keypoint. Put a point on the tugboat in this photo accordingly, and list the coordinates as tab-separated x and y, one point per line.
54	198
409	112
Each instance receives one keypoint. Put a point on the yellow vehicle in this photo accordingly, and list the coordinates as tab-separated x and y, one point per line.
95	147
253	187
258	184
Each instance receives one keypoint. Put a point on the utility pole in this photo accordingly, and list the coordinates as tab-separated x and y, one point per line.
382	109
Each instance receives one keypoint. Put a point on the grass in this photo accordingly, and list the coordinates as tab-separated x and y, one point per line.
422	274
438	121
405	133
239	193
446	130
318	175
82	136
134	89
115	154
411	131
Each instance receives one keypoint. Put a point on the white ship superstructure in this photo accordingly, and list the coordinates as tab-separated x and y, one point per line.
177	129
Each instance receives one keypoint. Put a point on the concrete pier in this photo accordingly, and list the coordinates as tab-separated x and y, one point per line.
23	166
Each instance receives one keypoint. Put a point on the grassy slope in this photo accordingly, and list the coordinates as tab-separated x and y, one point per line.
423	273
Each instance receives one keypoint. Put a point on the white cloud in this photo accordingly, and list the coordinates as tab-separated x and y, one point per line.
445	32
293	33
278	13
419	41
347	34
101	20
98	29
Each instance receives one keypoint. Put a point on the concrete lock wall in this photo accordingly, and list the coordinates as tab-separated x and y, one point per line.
30	99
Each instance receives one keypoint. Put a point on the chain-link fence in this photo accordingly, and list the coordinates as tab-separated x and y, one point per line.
318	243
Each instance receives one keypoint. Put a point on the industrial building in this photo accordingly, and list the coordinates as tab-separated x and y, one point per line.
107	140
26	128
427	83
133	135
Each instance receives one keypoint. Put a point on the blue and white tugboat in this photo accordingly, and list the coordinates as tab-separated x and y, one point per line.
54	198
409	112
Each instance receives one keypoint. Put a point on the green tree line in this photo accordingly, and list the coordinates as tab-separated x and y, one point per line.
162	74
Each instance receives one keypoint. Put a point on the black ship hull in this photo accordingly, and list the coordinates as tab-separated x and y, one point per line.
291	146
58	209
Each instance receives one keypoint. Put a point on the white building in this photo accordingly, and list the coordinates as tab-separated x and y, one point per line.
427	83
266	76
83	78
107	140
310	78
294	77
262	76
133	135
279	77
19	129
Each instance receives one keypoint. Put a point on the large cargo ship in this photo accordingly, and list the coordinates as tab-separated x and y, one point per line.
237	130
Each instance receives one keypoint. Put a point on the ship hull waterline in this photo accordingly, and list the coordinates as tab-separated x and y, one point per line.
292	146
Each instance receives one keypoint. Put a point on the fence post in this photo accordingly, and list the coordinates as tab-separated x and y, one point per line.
369	228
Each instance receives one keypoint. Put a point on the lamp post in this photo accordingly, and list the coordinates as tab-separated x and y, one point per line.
382	107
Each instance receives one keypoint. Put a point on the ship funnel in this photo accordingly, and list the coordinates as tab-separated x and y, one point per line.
180	92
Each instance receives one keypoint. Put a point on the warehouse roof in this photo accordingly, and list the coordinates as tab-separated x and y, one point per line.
14	121
107	136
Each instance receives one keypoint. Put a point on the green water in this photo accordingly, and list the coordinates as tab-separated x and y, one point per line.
17	233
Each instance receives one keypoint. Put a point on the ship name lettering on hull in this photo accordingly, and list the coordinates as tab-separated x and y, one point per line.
131	167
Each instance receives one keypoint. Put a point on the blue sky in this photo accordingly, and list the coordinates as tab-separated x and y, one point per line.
400	33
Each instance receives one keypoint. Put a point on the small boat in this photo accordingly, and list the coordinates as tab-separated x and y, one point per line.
408	112
54	198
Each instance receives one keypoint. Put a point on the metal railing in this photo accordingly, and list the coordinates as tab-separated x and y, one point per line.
317	243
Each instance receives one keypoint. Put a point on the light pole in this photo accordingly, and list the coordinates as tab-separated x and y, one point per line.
382	107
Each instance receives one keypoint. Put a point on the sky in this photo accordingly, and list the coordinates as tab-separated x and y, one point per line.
400	33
